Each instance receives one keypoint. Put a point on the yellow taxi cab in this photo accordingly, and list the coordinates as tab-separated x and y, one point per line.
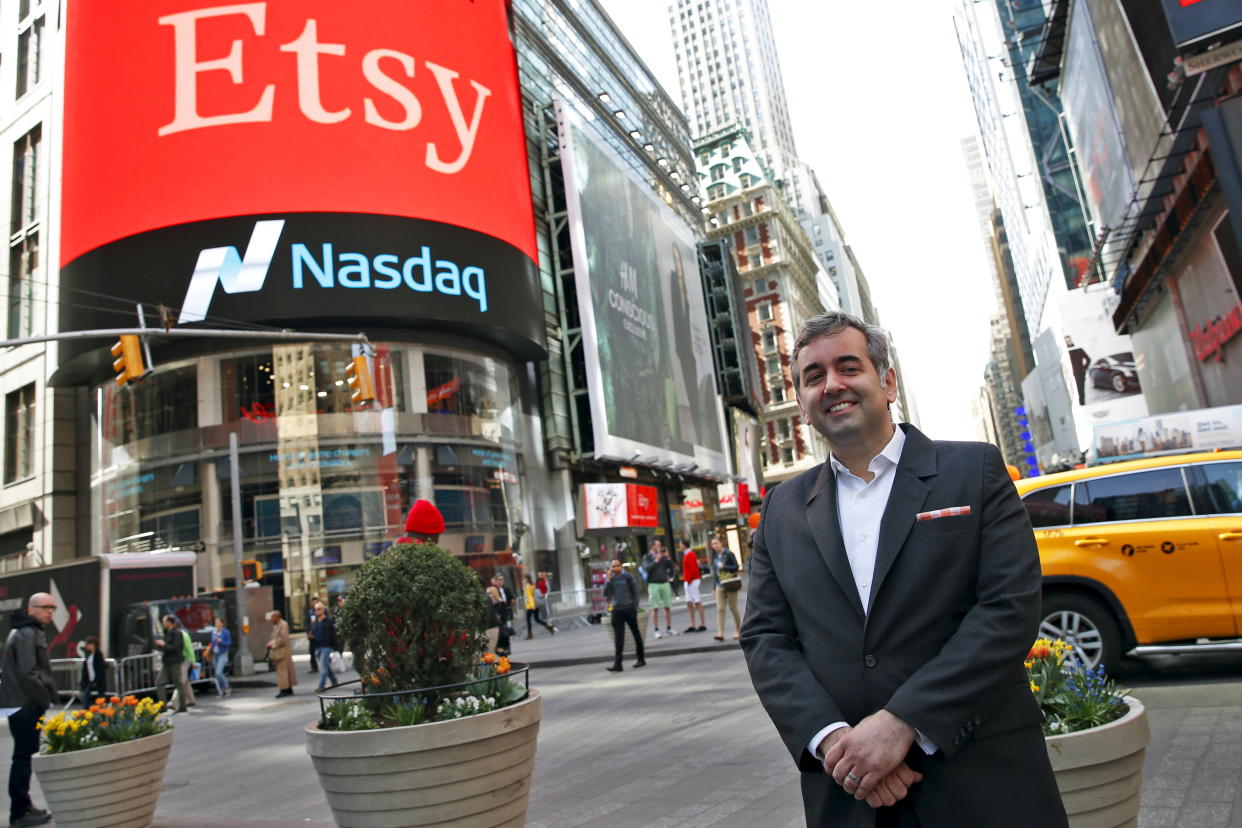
1143	556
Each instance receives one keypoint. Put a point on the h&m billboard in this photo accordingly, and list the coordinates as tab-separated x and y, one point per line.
299	162
648	354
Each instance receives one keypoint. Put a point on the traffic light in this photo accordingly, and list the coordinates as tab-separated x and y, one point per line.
127	360
252	570
358	375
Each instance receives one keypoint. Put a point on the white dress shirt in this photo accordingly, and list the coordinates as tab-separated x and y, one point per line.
860	508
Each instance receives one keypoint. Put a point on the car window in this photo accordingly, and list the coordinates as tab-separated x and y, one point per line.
1159	493
1219	488
1048	507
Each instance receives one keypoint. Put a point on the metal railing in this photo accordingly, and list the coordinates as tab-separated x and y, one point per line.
429	697
129	676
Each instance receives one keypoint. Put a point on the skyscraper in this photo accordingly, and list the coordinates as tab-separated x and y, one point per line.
729	74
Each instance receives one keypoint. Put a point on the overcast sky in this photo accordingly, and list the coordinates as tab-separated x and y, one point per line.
879	104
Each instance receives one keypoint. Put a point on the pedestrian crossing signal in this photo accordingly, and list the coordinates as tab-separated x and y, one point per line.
252	571
127	360
358	375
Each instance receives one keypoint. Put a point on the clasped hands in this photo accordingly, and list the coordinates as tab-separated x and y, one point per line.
868	760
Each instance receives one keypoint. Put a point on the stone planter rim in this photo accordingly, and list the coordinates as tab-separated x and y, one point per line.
532	695
325	697
81	758
1135	709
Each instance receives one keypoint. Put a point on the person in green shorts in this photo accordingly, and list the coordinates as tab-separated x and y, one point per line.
660	576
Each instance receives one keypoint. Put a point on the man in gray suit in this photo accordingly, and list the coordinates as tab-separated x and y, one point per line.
894	593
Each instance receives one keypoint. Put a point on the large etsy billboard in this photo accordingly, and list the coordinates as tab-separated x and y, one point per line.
644	323
295	161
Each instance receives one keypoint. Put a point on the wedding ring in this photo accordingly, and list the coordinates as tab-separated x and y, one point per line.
850	776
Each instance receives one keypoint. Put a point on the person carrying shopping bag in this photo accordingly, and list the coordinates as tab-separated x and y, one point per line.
728	585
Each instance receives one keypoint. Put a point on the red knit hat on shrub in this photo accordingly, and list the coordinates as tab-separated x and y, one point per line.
424	518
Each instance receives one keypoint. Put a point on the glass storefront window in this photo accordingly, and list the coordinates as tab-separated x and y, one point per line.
250	383
164	402
325	484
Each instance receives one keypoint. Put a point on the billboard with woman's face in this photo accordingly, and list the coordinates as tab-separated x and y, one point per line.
644	324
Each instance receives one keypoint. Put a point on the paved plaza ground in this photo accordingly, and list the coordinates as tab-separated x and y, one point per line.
681	742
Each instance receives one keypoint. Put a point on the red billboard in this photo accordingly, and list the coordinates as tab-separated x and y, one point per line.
625	506
349	160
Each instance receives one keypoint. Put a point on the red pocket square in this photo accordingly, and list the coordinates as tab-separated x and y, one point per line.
939	513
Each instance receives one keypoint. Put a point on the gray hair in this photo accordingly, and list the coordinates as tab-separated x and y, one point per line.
834	322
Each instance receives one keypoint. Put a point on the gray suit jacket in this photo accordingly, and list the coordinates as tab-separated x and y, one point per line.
954	610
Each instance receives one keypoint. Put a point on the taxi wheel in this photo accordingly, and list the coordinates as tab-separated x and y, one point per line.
1086	625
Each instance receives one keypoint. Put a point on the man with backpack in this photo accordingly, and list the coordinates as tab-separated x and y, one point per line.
28	686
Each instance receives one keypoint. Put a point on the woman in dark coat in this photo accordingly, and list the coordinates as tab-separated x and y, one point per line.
94	682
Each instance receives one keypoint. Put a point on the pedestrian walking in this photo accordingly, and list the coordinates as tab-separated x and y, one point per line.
189	668
728	585
894	594
502	614
310	619
218	652
28	687
660	575
172	665
692	576
621	593
325	643
94	672
533	602
280	652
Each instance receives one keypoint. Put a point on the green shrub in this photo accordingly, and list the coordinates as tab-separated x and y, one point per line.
415	617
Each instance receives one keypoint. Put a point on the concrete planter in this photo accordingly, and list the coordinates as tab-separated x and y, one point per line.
1099	771
113	785
474	771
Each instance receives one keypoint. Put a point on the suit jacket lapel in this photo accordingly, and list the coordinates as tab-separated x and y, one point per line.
821	515
909	493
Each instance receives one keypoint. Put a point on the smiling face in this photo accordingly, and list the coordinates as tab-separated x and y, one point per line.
842	396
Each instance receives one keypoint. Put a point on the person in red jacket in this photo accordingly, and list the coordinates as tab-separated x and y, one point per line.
693	577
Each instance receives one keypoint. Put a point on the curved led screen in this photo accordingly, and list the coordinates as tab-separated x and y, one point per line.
305	163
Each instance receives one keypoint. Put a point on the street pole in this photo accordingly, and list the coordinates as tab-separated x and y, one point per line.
243	661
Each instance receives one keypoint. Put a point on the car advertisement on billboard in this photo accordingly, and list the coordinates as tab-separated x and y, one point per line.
298	164
644	325
1102	374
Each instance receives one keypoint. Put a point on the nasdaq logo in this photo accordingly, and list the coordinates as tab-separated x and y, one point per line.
234	273
422	273
325	267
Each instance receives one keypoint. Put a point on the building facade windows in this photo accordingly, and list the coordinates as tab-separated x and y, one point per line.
764	311
24	234
29	45
19	414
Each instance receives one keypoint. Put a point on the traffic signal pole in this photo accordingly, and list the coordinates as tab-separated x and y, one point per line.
243	660
201	333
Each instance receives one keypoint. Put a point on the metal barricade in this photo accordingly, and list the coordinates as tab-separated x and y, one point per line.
131	675
575	603
137	674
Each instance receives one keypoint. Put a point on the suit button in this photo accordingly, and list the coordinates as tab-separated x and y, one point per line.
869	660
